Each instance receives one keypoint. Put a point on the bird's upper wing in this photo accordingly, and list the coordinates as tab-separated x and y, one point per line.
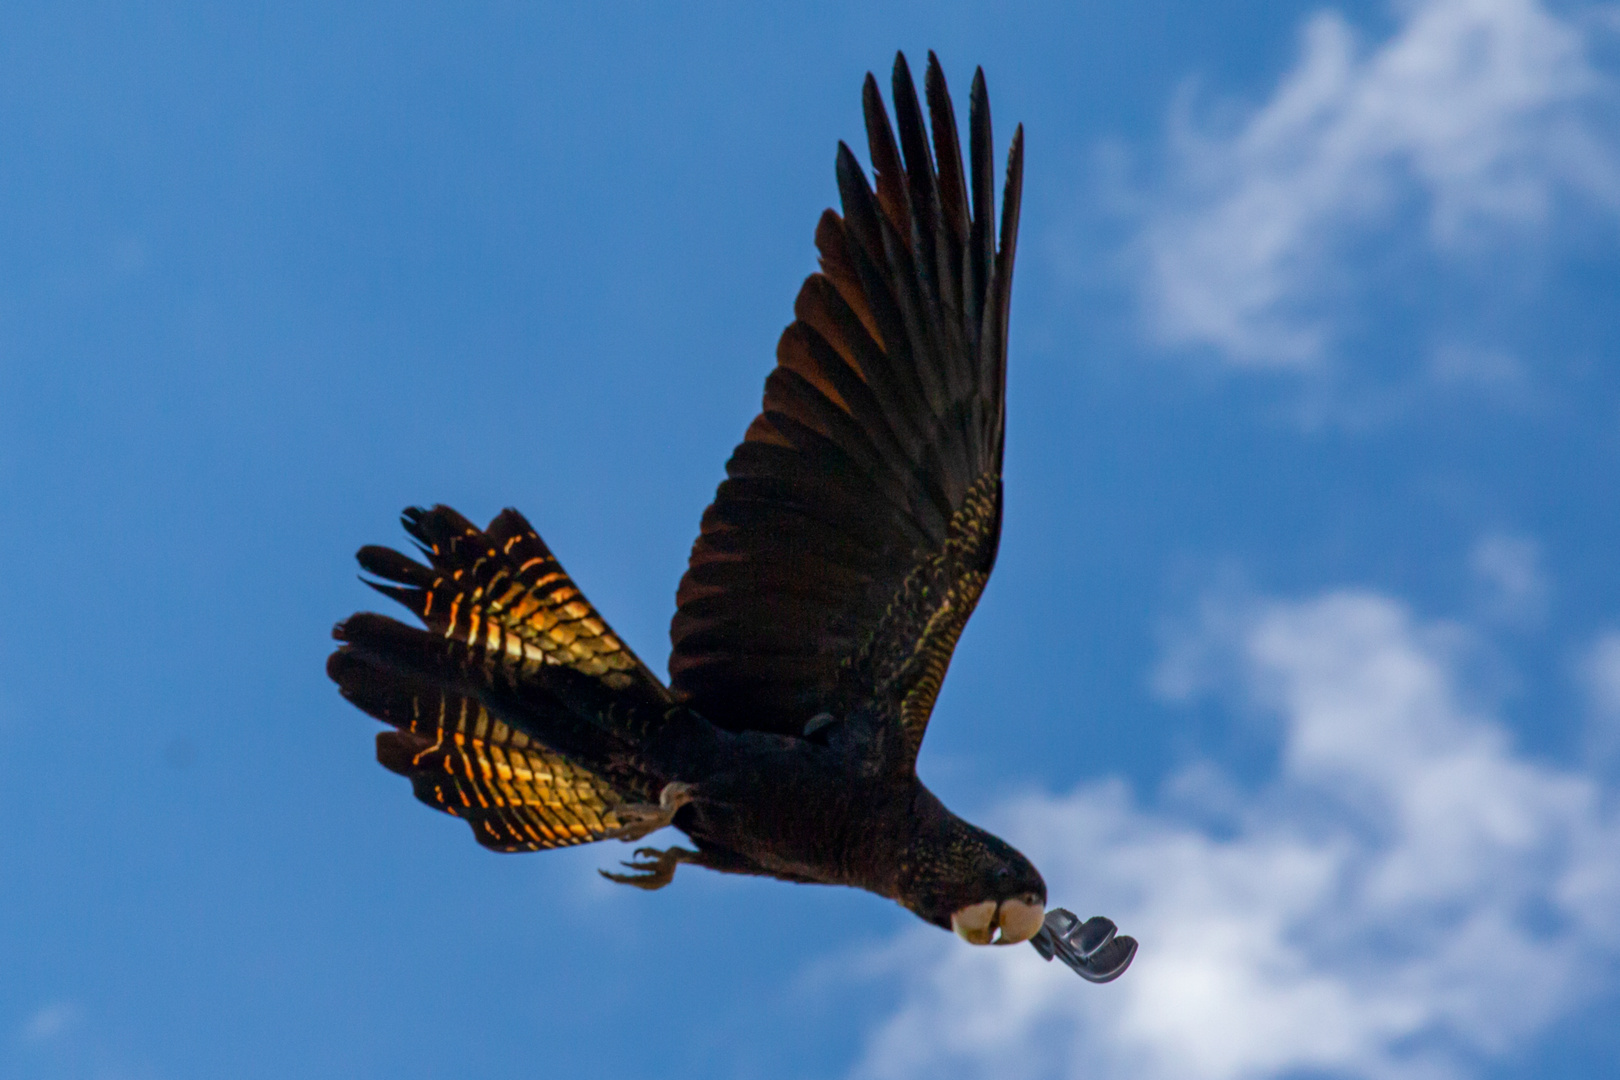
859	517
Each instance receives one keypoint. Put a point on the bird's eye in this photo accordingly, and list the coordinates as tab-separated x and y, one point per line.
1002	873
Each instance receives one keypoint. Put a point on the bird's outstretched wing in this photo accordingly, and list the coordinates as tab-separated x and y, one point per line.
859	517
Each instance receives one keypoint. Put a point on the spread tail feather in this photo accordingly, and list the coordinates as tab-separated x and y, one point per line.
517	708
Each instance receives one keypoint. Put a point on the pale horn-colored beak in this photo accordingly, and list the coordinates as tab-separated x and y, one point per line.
1018	920
976	923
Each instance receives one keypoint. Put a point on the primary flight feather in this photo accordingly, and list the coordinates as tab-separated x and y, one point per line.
833	573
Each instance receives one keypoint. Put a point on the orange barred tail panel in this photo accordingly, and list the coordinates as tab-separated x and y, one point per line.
516	794
506	629
502	593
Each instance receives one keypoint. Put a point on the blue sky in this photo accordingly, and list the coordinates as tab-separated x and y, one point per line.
1302	658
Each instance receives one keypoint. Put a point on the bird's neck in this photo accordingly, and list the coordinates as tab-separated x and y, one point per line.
929	863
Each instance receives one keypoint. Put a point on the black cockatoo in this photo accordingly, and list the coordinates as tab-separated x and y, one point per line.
834	571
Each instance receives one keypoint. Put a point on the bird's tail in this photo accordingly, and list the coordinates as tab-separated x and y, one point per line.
518	707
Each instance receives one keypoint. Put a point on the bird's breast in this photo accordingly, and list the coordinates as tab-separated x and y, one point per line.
805	810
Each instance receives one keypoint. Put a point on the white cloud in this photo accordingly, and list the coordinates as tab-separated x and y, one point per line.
1509	567
1481	113
1407	897
1600	671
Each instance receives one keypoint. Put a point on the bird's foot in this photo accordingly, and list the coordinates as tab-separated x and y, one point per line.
640	819
652	869
1090	947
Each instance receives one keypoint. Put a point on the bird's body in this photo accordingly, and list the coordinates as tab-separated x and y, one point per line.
838	811
832	576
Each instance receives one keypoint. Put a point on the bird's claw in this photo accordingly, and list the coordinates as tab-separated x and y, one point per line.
1091	948
652	869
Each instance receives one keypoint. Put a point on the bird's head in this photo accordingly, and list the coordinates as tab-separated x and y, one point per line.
962	878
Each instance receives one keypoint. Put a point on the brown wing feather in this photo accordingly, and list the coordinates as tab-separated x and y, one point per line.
859	518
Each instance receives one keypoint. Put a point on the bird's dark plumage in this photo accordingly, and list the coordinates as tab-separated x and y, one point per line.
860	515
833	573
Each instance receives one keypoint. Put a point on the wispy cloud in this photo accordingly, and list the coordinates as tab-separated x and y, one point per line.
1407	896
49	1022
1509	569
1600	671
1479	114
